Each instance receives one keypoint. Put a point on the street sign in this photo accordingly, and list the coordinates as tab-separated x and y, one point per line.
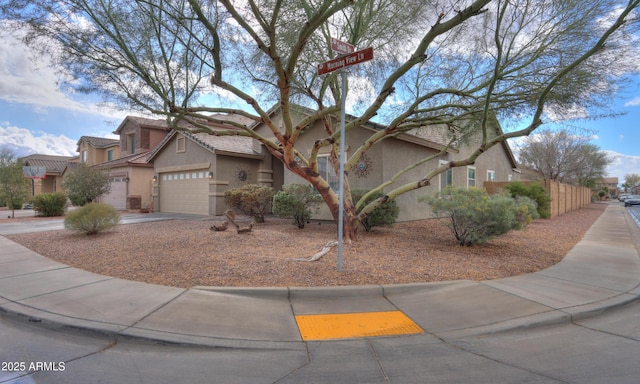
345	61
342	47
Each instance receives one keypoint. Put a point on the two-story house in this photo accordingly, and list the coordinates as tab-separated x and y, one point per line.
131	175
96	150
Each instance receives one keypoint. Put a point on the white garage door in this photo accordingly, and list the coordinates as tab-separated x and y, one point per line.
117	197
185	192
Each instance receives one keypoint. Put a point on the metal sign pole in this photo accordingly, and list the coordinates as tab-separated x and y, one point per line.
343	103
347	58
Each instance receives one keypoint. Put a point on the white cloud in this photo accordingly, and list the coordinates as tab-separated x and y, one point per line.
24	142
633	103
30	78
622	164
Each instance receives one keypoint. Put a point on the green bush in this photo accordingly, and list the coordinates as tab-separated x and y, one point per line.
386	214
16	202
472	215
535	192
50	204
92	218
526	211
85	184
296	201
251	199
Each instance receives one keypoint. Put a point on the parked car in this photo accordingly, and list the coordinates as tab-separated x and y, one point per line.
623	196
632	200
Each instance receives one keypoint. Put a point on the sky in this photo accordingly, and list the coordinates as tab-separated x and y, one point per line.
38	117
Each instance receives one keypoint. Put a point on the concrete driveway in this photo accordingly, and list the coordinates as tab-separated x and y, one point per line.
12	227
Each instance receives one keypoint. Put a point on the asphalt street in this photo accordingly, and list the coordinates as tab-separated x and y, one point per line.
577	322
602	349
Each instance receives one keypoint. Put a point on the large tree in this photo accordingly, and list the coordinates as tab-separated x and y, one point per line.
630	181
437	63
14	187
565	156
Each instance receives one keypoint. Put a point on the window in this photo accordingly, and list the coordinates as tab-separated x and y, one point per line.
326	172
510	178
446	177
84	156
131	143
181	144
491	175
110	155
471	176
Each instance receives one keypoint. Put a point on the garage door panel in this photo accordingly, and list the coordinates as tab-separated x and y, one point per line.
117	197
184	192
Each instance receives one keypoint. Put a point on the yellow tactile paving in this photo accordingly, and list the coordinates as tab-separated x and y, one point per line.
352	325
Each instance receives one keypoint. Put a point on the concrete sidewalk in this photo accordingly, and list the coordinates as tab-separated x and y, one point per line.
601	272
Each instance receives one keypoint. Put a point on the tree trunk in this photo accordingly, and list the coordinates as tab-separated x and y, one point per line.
350	222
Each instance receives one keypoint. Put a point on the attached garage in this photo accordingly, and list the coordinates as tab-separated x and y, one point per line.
184	192
117	197
192	171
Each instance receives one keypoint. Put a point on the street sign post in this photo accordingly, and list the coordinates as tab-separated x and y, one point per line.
345	61
348	59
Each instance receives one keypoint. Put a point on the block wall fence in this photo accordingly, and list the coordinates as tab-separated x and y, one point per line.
564	197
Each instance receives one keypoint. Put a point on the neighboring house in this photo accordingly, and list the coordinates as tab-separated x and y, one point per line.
130	173
55	169
611	183
192	171
96	150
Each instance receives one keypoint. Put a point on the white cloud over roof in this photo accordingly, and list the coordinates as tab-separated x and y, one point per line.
24	142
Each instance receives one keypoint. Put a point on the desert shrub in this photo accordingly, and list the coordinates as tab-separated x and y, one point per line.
50	204
92	218
386	214
535	192
526	211
251	199
296	201
472	215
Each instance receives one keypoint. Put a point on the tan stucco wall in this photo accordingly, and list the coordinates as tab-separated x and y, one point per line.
140	184
232	172
97	155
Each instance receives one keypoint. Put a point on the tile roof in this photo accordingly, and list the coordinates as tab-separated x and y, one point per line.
142	121
99	142
54	164
130	160
231	144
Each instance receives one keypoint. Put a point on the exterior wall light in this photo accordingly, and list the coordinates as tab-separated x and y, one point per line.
210	175
155	178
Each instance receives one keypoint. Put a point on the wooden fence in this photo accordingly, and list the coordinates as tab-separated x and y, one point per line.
564	198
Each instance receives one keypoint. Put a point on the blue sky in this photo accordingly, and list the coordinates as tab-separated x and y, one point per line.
36	116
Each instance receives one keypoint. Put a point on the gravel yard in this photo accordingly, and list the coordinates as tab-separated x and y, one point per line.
185	253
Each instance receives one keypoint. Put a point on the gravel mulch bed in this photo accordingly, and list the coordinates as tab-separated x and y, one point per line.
184	253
